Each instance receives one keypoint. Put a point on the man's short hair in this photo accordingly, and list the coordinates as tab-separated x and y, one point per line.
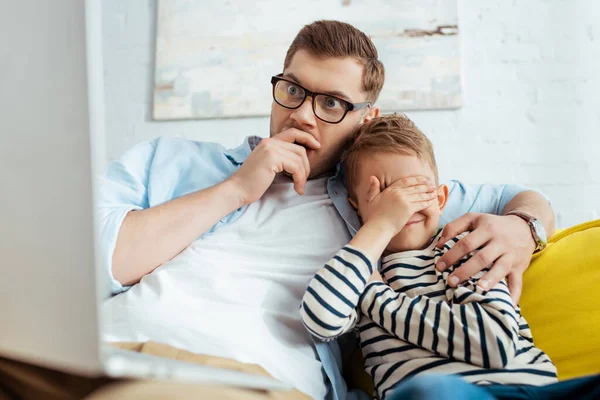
334	39
395	134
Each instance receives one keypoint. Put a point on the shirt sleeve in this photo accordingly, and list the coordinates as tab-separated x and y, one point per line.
475	326
123	188
490	199
329	305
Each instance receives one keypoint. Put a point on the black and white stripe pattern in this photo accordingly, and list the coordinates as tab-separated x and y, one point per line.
416	323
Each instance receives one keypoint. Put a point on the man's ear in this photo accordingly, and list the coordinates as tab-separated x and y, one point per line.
442	196
372	112
353	204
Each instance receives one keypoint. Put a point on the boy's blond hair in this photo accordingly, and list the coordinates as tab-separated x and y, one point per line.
394	133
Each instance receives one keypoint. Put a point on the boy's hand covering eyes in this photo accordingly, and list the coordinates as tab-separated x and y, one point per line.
392	207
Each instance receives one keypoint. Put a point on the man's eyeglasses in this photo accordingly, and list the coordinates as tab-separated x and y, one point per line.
327	108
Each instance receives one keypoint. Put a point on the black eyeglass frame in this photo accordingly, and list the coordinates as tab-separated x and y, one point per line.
307	93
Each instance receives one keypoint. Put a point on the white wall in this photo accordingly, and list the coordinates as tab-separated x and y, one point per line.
531	114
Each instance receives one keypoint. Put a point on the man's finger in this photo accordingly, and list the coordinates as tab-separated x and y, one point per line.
374	188
499	271
301	152
292	164
515	286
463	247
294	135
480	260
456	227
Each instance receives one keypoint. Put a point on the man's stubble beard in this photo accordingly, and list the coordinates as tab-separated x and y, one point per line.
271	128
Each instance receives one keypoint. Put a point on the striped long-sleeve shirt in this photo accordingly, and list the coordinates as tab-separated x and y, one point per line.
415	323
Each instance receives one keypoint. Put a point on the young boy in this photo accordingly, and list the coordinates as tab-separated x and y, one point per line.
411	321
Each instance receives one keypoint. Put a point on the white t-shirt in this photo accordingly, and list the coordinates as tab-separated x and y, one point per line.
236	293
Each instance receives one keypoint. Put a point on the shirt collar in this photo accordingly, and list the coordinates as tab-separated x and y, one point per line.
339	195
239	154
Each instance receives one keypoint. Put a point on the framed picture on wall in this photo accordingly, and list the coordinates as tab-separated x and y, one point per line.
215	59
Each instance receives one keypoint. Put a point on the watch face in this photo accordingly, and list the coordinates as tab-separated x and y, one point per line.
541	232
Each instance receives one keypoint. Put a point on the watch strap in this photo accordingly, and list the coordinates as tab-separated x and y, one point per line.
539	244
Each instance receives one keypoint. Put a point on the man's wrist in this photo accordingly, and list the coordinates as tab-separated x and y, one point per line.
532	244
233	193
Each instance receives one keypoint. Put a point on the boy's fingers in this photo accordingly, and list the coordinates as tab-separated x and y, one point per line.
374	188
422	197
413	181
421	188
422	205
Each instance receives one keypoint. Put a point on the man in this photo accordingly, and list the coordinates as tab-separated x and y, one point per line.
239	233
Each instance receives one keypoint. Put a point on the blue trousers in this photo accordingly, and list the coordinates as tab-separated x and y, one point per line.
448	387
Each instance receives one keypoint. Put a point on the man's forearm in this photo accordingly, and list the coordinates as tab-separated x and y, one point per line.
150	237
534	204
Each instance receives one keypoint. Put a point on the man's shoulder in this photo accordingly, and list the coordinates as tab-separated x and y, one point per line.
168	142
174	157
166	146
479	198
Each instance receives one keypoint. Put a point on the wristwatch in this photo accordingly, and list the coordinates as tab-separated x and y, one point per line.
537	229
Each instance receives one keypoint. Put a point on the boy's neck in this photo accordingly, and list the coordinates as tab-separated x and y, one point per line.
428	243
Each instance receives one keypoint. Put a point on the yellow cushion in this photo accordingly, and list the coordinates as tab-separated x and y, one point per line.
561	300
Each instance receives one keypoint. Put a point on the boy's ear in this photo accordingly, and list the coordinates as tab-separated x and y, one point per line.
442	196
353	204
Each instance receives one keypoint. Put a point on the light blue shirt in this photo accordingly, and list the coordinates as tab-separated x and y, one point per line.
163	169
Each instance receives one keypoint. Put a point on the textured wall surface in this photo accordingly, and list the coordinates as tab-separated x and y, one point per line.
531	103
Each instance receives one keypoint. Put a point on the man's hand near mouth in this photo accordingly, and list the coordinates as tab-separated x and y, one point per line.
285	152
